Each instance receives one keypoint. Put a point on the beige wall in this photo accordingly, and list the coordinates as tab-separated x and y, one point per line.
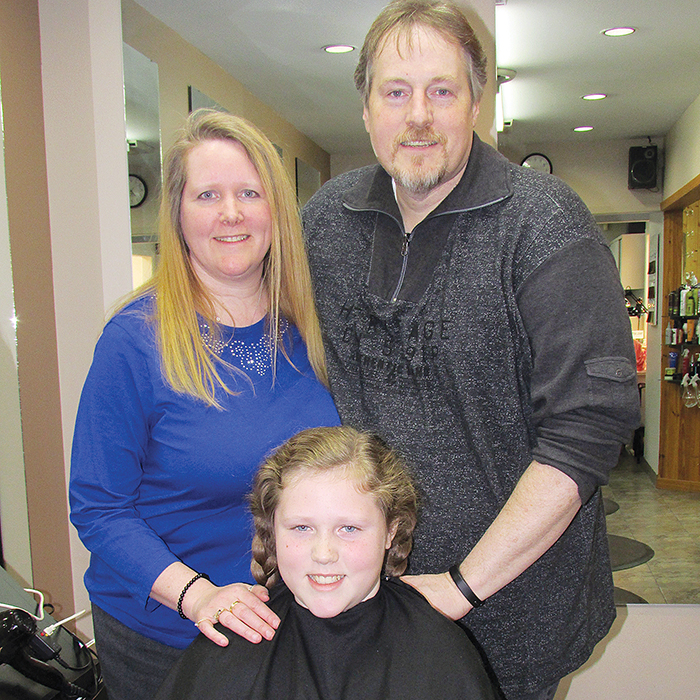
655	338
597	172
181	65
17	30
683	150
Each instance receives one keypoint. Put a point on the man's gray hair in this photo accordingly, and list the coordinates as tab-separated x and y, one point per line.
398	19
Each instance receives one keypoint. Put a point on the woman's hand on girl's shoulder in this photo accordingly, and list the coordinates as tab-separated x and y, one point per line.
238	606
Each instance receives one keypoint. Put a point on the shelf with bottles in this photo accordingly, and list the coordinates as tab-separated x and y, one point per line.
682	331
684	301
684	367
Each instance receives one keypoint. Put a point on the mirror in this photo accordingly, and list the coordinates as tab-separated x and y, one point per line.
658	518
15	553
143	139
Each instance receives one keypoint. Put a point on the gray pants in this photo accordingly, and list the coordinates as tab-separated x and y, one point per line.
133	666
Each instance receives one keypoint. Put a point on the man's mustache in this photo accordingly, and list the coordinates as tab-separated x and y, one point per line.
419	136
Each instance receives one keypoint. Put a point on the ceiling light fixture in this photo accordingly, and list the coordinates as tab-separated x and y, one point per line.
583	128
504	75
618	31
338	48
594	96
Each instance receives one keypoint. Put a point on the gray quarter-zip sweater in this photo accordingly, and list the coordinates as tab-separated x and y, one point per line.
492	334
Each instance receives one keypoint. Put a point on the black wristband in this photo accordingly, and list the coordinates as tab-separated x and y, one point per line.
184	590
464	588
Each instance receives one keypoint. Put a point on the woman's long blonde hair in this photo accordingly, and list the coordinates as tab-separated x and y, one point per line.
188	364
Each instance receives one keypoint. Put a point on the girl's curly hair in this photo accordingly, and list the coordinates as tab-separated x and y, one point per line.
376	468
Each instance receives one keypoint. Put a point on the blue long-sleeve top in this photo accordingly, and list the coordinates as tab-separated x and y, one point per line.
159	477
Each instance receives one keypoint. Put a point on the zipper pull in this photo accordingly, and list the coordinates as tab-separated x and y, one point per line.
404	245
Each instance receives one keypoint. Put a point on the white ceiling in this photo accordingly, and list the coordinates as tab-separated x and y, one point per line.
273	47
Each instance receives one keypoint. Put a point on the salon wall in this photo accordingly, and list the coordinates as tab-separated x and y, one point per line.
181	65
482	16
596	171
683	150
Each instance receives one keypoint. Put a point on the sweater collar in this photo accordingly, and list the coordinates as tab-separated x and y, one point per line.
486	180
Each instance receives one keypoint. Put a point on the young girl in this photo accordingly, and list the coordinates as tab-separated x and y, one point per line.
333	509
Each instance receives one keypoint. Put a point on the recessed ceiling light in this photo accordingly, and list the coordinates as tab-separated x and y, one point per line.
618	31
594	96
583	128
338	48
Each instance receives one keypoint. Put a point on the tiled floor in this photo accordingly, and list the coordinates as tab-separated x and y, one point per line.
667	521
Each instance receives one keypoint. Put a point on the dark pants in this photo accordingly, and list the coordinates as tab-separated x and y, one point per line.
133	666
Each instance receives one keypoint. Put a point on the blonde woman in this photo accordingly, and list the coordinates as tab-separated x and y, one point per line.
213	363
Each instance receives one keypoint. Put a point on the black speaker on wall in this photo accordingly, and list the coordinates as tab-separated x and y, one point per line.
641	174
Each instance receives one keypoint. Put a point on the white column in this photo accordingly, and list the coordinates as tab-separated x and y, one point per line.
83	89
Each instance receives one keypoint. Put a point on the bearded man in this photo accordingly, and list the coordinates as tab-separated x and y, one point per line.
473	316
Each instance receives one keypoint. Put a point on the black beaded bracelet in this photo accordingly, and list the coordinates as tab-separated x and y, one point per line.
464	588
184	590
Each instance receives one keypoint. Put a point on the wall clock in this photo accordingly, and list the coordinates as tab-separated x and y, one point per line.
537	161
137	191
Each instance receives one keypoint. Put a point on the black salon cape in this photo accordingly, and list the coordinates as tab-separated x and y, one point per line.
391	647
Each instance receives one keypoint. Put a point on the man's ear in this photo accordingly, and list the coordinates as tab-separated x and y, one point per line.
365	117
475	112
